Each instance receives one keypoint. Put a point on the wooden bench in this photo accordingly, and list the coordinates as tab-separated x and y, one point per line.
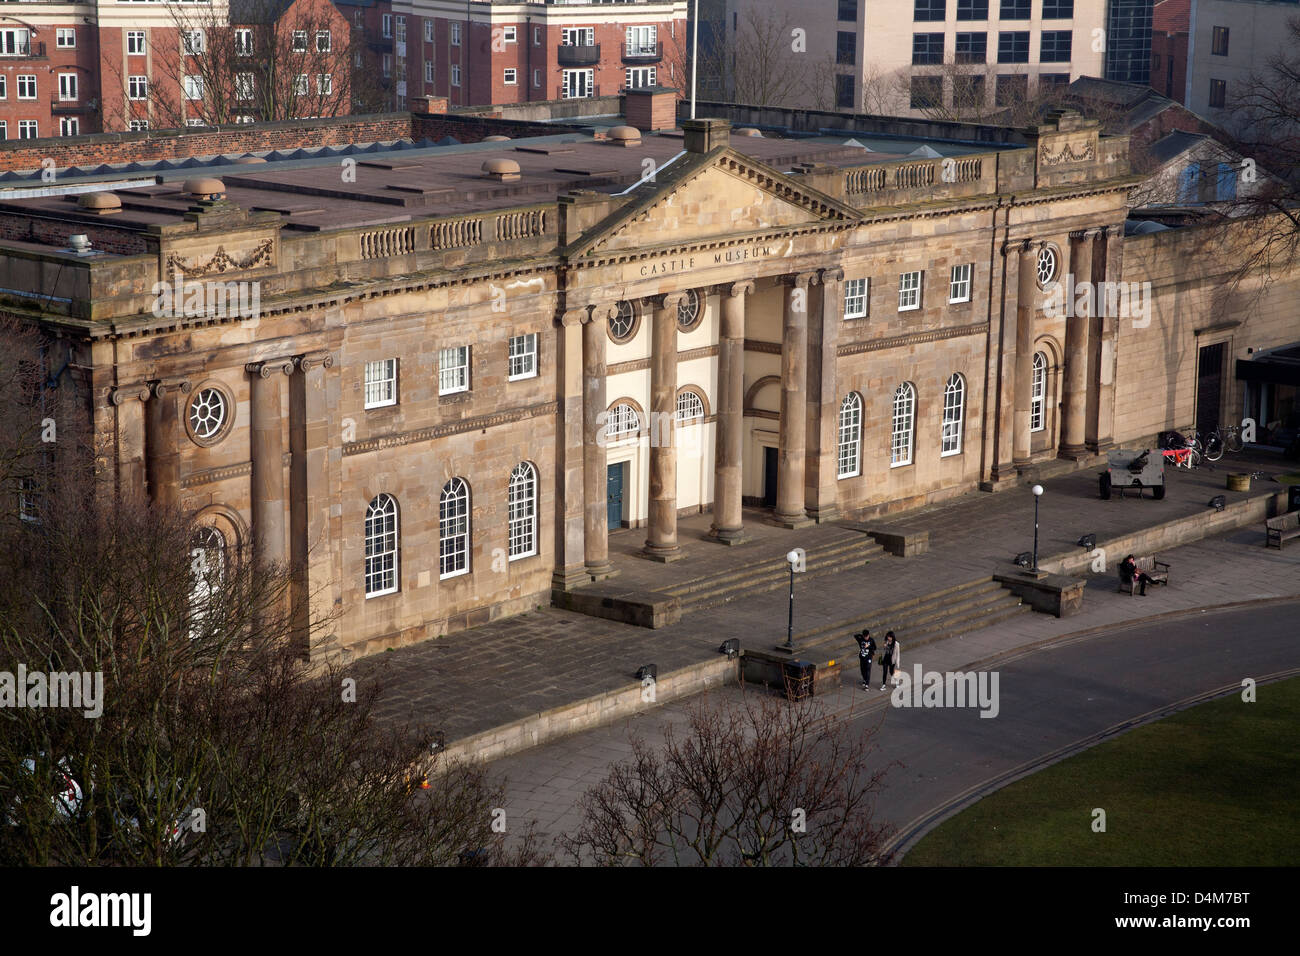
1282	527
1148	565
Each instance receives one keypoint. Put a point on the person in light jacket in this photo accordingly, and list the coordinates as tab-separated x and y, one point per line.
888	658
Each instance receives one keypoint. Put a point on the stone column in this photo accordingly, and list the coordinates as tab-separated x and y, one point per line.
595	474
729	448
129	402
1026	306
661	544
570	570
1108	266
268	461
999	409
822	466
162	437
1079	306
310	550
794	398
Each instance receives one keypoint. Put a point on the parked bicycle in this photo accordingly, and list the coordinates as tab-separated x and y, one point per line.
1230	435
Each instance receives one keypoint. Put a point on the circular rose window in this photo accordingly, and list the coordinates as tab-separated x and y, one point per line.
688	312
1046	266
208	416
623	325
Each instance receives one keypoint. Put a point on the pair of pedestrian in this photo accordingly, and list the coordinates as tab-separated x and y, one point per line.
889	657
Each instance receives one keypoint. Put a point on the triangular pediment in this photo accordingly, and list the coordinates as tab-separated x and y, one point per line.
699	198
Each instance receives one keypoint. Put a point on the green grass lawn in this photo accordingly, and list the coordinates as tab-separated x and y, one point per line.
1215	785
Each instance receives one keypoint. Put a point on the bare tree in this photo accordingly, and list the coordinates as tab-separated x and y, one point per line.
759	783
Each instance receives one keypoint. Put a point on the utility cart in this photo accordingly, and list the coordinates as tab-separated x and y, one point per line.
1129	470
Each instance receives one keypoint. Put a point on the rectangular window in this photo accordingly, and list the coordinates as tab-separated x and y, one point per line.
194	122
522	354
67	86
846	47
959	284
509	34
29	500
300	85
137	87
537	79
69	126
428	31
455	75
453	370
299	41
845	94
4	86
14	42
243	42
27	129
850	443
381	383
323	41
4	131
325	84
1011	88
509	77
848	11
1219	41
909	291
971	48
642	41
968	93
1013	47
930	10
1058	9
638	77
855	298
135	42
1218	93
927	92
193	40
65	38
138	126
386	64
245	85
428	71
953	406
1015	10
578	84
972	9
927	49
27	86
1052	81
386	26
455	34
399	27
577	36
1055	46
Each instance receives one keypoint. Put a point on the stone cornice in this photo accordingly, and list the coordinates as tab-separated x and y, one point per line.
451	428
755	345
913	338
210	475
640	365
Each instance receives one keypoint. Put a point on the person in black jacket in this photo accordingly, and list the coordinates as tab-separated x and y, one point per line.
866	651
1130	574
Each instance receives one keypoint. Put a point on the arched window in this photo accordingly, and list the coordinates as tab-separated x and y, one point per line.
453	529
688	312
689	406
1038	394
954	411
522	507
381	546
850	446
900	445
207	569
622	422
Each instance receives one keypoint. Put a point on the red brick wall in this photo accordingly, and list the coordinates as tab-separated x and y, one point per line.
1170	49
25	228
47	108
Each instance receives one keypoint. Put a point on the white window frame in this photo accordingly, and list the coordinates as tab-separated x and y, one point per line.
454	517
65	33
328	39
509	34
455	74
4	130
299	42
903	426
69	126
954	416
521	512
453	370
428	71
1038	393
68	87
909	290
537	79
193	87
386	26
138	126
324	84
4	86
622	423
428	30
849	447
689	408
135	42
399	28
577	36
567	87
639	33
245	86
301	84
959	283
521	357
455	33
537	36
29	126
27	80
510	76
380	383
382	546
243	42
856	292
652	74
137	87
193	42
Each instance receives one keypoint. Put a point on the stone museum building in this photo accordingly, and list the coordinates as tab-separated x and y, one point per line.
435	380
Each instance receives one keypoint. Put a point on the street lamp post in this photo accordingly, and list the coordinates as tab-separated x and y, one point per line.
792	559
1038	493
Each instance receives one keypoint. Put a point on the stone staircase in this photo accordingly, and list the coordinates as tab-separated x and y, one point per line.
853	550
948	613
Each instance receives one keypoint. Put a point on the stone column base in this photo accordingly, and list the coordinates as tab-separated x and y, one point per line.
662	555
728	536
1074	452
825	514
1001	480
566	579
601	572
791	522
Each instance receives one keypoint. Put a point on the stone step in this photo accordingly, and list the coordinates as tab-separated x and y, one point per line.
914	612
765	581
771	564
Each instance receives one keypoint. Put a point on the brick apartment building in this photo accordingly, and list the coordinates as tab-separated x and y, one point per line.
1169	38
476	53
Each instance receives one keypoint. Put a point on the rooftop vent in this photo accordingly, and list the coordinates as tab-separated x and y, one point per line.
749	131
101	204
80	244
247	160
625	136
502	170
496	139
205	188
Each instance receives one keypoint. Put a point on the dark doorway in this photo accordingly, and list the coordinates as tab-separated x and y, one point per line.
614	495
769	477
1209	387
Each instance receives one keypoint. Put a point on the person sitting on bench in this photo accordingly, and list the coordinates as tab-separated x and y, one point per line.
1128	571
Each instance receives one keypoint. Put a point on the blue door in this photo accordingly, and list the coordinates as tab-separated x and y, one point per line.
614	495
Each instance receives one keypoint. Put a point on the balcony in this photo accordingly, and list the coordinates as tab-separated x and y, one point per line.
585	55
25	50
643	52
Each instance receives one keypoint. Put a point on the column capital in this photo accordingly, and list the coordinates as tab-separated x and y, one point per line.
1114	230
667	300
600	313
311	360
160	389
120	394
1087	235
736	289
799	280
269	368
1022	246
833	274
569	317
